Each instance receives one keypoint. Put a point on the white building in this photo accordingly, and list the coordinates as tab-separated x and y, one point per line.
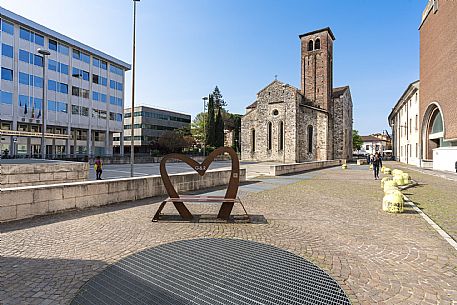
404	120
371	145
84	88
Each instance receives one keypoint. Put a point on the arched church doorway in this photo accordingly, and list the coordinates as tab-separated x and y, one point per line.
433	130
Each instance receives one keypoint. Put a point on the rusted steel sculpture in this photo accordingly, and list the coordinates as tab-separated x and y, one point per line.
200	168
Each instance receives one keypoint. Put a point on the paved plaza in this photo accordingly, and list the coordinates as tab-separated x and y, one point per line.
331	217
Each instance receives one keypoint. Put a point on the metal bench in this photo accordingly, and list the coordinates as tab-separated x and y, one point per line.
224	211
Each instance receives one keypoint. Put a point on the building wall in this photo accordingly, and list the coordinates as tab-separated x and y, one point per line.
342	126
87	121
284	99
438	59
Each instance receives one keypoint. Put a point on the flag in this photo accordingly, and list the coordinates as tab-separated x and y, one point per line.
33	113
39	114
25	108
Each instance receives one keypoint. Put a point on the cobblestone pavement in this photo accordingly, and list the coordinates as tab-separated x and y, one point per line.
331	217
435	197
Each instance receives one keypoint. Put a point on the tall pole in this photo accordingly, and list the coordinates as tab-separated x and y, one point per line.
204	124
132	113
44	53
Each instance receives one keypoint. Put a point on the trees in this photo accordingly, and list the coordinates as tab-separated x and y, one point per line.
198	127
219	139
211	124
218	100
357	141
172	141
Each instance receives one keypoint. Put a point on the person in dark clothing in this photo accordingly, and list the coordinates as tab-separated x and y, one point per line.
376	162
98	164
368	159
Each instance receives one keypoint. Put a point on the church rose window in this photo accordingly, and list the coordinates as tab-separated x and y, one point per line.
317	44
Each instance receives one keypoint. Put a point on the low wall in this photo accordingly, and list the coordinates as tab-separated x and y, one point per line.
25	202
283	169
444	158
17	174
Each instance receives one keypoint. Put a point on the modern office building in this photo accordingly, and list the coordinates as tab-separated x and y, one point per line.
149	124
84	89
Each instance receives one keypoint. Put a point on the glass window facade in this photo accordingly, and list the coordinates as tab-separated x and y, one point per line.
31	36
52	45
63	49
6	97
7	50
116	70
7	74
7	27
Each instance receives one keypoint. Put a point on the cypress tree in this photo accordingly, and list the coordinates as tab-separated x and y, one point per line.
211	124
219	129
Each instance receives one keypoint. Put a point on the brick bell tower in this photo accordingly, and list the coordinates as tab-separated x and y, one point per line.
317	67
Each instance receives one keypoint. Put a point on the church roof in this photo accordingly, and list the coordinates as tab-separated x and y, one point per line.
253	105
337	92
317	31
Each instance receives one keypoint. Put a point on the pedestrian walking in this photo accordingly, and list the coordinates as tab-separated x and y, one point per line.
368	159
98	164
376	161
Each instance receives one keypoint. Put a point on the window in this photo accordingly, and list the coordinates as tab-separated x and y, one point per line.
317	44
112	84
96	62
410	125
63	49
84	111
52	85
52	45
52	65
7	27
270	133
281	135
115	70
76	54
24	56
104	81
95	95
310	139
52	105
24	34
275	112
95	79
63	88
39	40
85	58
38	60
416	149
367	147
310	45
7	50
7	74
23	78
103	98
38	81
23	100
85	75
104	65
63	68
6	98
253	140
74	109
416	122
75	91
62	107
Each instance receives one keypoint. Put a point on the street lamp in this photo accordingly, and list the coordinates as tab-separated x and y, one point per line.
204	126
44	53
132	112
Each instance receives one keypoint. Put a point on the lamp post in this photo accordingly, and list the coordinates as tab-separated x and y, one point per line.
44	53
204	124
132	112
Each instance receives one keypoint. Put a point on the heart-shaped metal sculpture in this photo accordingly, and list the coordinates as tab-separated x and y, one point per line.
201	169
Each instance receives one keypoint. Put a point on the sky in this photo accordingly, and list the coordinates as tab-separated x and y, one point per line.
185	48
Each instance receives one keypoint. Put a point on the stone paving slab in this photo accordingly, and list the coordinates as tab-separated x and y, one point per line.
332	218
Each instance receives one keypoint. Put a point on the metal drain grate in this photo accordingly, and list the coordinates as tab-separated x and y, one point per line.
212	272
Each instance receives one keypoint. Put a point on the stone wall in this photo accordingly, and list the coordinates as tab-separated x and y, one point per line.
14	175
283	169
342	126
25	202
278	97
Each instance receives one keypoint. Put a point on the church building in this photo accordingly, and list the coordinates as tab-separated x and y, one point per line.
314	123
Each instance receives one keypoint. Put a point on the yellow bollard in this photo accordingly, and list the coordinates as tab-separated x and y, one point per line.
398	179
387	171
393	202
344	166
383	180
406	178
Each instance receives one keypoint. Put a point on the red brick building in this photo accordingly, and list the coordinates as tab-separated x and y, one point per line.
438	81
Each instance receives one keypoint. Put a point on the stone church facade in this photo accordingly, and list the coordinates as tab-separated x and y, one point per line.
288	124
